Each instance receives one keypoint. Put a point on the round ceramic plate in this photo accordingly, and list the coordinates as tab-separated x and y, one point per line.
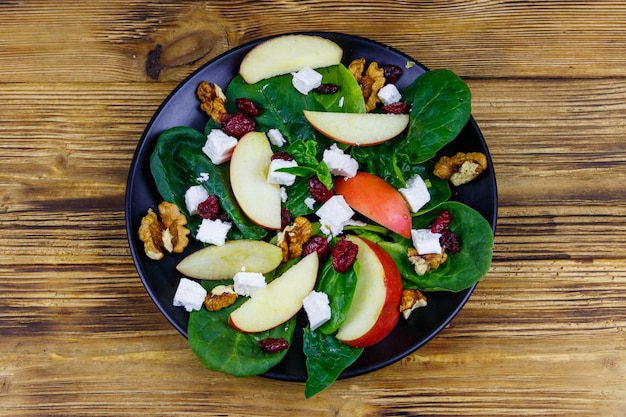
181	108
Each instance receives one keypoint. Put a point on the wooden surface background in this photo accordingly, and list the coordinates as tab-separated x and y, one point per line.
544	333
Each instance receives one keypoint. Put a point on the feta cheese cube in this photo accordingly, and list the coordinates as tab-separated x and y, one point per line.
219	146
334	215
306	80
416	193
193	197
281	178
189	294
317	307
310	202
425	241
276	138
213	231
247	283
389	94
340	163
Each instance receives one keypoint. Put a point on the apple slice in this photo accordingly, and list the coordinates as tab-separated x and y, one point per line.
359	129
249	166
375	308
288	53
377	200
279	301
223	262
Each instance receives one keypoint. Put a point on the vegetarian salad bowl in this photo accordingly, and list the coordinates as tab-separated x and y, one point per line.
311	206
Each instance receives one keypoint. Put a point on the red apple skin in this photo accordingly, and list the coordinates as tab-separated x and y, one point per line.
391	308
377	200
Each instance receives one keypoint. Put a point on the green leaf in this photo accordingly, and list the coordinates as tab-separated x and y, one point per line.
339	286
440	109
326	358
220	347
461	270
349	98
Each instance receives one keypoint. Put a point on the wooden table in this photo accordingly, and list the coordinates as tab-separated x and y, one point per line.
544	334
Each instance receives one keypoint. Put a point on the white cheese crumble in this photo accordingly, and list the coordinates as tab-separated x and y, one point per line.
339	163
283	194
334	215
310	203
389	94
281	178
204	177
247	283
276	138
219	146
317	307
189	294
425	241
306	80
195	195
213	231
416	193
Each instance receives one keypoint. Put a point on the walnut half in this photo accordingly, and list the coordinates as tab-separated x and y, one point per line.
424	263
411	299
461	168
168	233
220	297
371	81
291	239
213	100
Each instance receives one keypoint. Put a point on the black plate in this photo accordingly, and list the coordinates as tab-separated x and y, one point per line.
181	108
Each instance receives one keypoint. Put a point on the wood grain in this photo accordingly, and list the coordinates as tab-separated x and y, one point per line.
542	335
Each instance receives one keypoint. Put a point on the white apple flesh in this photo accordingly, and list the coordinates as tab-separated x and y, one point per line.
358	129
279	301
249	166
288	53
223	262
375	308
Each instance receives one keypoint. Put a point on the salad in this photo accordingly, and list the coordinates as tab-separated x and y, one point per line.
435	106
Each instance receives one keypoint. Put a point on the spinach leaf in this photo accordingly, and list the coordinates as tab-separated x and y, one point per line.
339	286
222	348
326	358
461	270
348	99
177	162
440	108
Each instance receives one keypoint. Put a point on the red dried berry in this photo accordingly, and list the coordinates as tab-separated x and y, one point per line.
247	107
282	155
319	191
392	73
237	125
450	241
273	344
441	222
344	254
327	89
209	208
401	107
285	217
317	244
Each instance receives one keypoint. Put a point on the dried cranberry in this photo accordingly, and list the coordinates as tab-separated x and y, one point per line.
237	125
450	241
282	155
344	254
317	244
441	222
209	208
273	344
319	191
401	107
247	107
327	89
392	73
285	217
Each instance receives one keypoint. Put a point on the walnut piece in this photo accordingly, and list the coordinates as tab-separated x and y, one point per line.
168	233
220	297
461	168
293	236
213	100
424	263
371	81
411	300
